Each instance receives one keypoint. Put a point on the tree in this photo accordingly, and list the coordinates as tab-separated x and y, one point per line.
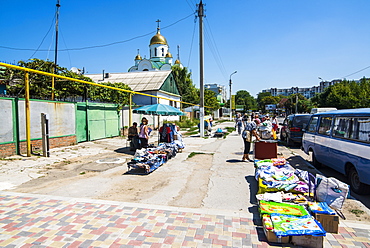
109	95
210	100
40	85
187	89
344	95
64	90
244	98
260	102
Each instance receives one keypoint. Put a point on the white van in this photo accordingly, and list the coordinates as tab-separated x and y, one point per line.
341	140
320	110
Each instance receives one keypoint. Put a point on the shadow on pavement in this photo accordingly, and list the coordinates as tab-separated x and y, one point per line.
234	161
125	150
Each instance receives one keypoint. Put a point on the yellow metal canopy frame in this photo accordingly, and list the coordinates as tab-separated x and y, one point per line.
27	95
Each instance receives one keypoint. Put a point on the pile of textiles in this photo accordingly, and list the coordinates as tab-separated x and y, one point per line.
277	175
149	159
285	200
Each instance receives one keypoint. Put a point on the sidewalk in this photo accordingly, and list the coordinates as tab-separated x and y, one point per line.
30	220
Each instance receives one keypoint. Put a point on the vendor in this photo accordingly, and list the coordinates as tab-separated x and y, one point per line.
133	136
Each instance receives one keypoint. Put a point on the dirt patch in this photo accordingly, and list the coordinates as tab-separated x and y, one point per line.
196	187
354	211
139	188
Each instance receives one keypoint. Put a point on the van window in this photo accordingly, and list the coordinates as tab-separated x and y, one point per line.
362	129
312	125
352	128
343	127
325	125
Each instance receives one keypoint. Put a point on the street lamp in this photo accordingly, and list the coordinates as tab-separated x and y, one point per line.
230	95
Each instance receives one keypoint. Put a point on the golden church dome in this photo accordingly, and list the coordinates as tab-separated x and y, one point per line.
177	62
169	55
138	57
158	39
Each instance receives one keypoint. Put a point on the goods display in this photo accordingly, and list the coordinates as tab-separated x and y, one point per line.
287	205
149	159
289	225
282	208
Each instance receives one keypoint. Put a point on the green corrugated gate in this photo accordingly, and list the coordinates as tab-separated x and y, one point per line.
96	121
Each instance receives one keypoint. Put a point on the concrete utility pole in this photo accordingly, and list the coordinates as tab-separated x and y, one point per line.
231	110
201	105
56	49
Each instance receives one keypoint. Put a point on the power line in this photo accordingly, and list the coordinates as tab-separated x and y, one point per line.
192	40
98	46
52	24
357	71
214	50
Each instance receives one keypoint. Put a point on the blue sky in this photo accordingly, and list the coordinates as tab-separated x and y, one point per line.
271	43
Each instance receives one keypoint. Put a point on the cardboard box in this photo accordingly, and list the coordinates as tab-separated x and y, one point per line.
329	222
308	241
271	237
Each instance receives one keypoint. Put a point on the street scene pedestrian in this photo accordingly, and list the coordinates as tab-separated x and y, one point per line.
133	137
249	132
144	133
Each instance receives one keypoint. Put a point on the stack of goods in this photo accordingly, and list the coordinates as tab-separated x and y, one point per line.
285	199
149	159
277	175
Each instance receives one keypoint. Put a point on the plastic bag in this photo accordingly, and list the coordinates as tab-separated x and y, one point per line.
331	190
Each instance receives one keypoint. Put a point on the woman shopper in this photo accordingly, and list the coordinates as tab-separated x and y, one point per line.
250	130
239	123
144	133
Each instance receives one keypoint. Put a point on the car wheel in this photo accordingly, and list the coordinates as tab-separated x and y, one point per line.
356	185
314	161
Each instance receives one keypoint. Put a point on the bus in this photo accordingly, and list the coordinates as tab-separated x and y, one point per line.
340	139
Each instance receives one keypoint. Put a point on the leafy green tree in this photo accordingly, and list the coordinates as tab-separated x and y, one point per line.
185	85
109	95
344	95
210	100
303	105
260	102
244	98
41	86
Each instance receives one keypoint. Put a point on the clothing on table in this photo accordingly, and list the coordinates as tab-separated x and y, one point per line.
166	133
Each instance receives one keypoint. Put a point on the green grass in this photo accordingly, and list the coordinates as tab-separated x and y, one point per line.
194	153
357	212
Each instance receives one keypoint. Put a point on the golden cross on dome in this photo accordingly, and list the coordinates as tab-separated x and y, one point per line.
158	21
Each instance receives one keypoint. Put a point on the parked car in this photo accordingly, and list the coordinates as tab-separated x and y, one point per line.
340	140
291	130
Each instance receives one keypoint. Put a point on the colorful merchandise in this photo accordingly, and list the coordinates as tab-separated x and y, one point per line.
282	208
266	220
320	208
278	161
289	225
